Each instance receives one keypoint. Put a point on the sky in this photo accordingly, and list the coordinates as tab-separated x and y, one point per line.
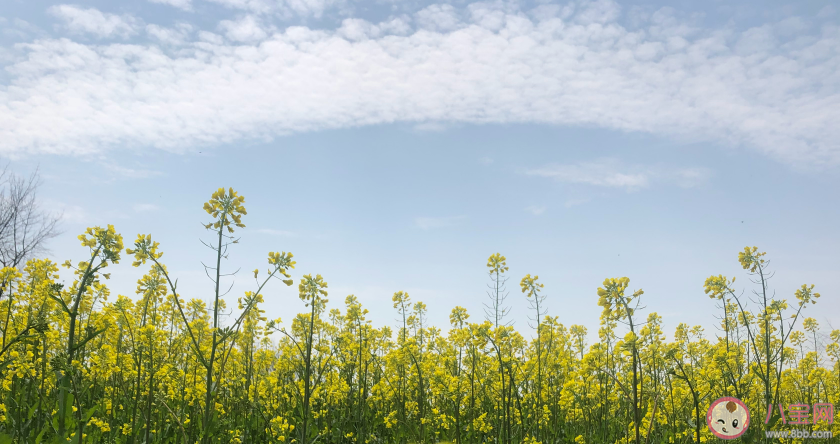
395	145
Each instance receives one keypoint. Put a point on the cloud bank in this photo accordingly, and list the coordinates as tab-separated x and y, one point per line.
93	21
281	8
772	88
613	173
186	5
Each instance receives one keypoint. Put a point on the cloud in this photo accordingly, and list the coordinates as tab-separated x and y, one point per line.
536	210
603	173
19	29
78	215
486	160
145	208
280	233
186	5
428	223
93	21
826	12
613	173
73	214
283	8
431	127
690	177
354	29
246	29
762	88
439	17
170	36
129	173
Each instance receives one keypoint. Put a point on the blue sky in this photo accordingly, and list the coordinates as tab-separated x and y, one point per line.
396	145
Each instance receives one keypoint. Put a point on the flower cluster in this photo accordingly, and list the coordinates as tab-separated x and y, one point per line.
162	367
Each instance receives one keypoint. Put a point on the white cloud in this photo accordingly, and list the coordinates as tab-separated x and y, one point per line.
73	214
439	17
258	6
309	8
430	127
613	173
283	8
246	29
603	172
129	173
186	5
492	66
826	12
690	177
19	29
171	36
598	11
354	29
536	210
144	208
209	37
428	223
93	21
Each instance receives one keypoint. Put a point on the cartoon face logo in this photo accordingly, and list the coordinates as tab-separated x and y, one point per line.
728	418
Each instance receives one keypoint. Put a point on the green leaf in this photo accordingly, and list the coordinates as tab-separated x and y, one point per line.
41	435
89	414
